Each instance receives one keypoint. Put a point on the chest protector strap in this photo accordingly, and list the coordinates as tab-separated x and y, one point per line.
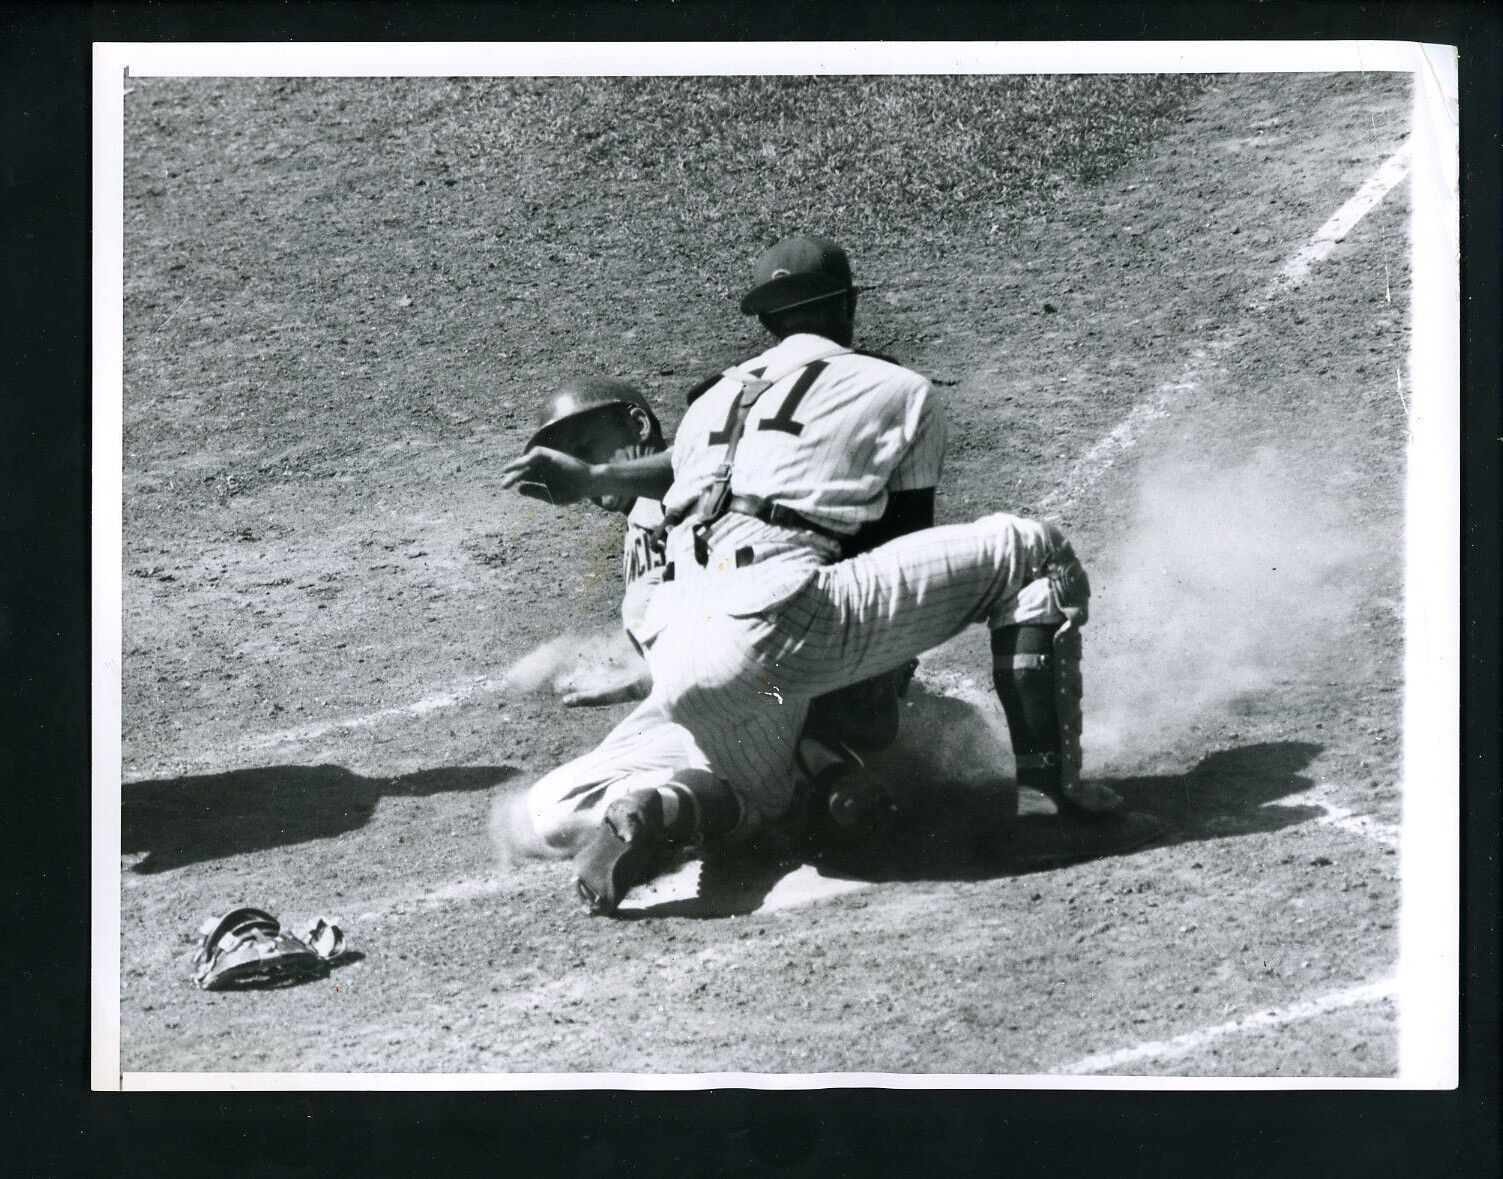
715	500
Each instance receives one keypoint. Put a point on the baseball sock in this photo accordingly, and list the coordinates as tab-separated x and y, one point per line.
699	808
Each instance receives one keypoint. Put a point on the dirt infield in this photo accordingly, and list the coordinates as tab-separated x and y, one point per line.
340	299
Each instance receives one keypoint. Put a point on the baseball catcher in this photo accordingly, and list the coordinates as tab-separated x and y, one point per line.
760	611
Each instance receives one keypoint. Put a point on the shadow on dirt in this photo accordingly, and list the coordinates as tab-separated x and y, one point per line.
180	821
1228	793
731	883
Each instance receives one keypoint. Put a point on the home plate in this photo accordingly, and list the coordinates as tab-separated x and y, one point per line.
679	885
804	885
733	889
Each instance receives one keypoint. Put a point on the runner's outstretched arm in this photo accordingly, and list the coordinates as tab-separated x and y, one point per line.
563	479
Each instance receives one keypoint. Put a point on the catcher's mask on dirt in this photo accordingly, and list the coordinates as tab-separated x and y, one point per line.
247	947
572	406
795	272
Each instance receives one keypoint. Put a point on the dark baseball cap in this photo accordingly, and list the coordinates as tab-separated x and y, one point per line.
583	396
795	271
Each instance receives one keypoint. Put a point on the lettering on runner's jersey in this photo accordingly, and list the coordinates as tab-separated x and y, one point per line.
643	548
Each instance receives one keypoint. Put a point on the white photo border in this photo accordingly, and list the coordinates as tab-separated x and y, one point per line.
1428	978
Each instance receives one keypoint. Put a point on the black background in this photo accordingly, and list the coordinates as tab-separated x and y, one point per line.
53	1125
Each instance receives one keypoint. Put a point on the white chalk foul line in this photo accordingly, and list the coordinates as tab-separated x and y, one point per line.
1104	454
313	730
1127	433
683	886
1342	221
1092	464
1361	995
434	702
455	892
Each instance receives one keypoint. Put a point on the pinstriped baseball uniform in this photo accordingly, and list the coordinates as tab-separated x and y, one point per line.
738	649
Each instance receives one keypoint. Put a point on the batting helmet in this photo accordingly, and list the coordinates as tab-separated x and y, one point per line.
795	271
585	396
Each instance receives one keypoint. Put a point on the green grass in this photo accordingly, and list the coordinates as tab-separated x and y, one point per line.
871	160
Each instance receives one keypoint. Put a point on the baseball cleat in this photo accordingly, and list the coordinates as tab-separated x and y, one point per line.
1087	798
628	849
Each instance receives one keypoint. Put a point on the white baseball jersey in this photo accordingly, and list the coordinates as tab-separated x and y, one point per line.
834	433
642	563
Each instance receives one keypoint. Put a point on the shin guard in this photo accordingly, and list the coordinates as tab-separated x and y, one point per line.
1038	681
1036	670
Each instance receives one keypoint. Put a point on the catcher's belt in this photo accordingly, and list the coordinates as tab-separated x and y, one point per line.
248	947
770	512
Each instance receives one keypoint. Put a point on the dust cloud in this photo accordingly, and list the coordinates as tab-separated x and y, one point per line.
1227	583
952	736
569	660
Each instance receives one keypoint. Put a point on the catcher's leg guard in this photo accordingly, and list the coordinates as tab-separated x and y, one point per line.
639	832
853	801
1036	671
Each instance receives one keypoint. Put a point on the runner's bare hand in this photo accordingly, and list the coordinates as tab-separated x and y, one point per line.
548	475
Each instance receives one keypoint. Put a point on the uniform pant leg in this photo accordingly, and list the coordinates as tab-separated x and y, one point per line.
870	614
746	729
741	684
645	750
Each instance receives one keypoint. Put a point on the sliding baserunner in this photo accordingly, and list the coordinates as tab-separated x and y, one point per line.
759	612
